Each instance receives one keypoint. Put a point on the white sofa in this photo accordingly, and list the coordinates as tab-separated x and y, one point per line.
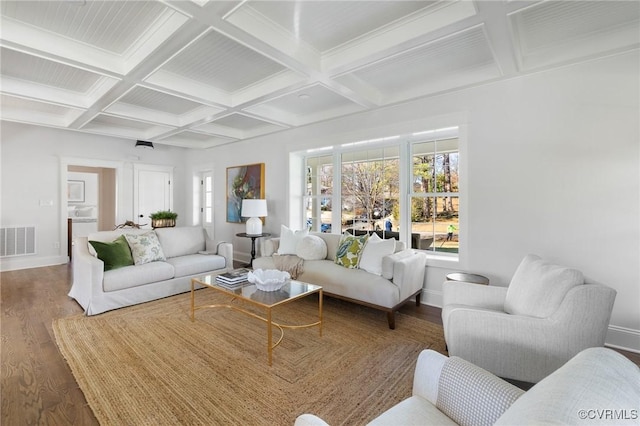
188	251
597	386
401	279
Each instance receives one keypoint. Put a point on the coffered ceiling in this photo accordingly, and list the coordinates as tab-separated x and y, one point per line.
203	73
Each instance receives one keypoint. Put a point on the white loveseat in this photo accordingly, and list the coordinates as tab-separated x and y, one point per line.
188	252
401	278
597	386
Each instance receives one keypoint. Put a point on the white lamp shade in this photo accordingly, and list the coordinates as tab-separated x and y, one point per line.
254	210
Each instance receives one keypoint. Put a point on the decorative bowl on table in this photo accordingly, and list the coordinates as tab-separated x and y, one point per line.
268	279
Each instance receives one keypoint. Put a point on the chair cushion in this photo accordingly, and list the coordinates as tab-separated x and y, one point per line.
115	254
538	287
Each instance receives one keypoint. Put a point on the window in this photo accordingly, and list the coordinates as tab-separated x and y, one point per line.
405	186
434	195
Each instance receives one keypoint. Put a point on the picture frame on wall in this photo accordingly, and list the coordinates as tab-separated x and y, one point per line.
75	191
243	182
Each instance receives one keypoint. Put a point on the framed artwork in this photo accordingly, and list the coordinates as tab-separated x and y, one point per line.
75	191
243	182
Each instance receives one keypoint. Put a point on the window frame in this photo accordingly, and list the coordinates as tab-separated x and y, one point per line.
404	143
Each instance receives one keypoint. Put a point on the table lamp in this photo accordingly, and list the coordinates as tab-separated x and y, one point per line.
254	210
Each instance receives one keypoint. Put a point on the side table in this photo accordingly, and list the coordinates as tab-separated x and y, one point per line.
469	278
253	243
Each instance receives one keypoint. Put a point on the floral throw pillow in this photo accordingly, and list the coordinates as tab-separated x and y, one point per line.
350	250
145	248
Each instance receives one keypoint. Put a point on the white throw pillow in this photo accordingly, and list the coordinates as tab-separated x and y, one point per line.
374	251
145	248
289	239
311	247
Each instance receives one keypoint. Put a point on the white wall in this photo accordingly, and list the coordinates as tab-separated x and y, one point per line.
32	171
552	168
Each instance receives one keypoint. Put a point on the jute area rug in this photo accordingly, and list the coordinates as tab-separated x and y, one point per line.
150	365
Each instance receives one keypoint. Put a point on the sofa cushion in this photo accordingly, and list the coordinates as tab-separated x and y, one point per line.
145	247
597	386
350	250
136	275
373	252
108	236
289	239
182	240
311	247
538	287
195	264
355	284
115	254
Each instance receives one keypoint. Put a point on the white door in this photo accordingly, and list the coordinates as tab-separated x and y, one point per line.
152	191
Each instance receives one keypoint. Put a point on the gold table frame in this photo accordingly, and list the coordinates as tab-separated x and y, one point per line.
248	293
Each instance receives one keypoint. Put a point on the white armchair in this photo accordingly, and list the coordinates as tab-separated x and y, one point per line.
527	330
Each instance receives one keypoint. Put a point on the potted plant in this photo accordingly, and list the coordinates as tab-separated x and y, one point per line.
163	219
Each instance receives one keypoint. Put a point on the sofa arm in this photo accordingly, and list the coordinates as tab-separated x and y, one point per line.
408	274
468	394
269	246
309	420
427	375
88	273
223	249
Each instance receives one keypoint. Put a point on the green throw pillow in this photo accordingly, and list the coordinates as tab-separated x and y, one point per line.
115	254
350	250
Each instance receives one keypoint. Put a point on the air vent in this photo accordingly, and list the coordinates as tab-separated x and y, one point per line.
17	241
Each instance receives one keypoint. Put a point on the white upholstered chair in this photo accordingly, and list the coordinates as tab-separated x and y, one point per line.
527	330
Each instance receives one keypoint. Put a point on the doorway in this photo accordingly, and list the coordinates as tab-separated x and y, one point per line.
88	199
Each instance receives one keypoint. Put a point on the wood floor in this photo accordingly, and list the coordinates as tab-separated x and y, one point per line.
36	385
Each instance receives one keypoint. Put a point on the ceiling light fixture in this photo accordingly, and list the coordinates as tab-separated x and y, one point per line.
144	144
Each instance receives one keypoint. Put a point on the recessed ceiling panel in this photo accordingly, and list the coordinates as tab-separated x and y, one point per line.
122	127
159	101
10	103
42	71
109	25
195	139
555	22
328	24
429	63
242	122
311	101
220	62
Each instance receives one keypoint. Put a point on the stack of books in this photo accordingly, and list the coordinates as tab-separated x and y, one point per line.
233	279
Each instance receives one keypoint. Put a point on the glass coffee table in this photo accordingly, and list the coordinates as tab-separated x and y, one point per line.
266	300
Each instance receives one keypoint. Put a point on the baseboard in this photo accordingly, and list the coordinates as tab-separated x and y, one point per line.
432	298
27	262
623	338
626	339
